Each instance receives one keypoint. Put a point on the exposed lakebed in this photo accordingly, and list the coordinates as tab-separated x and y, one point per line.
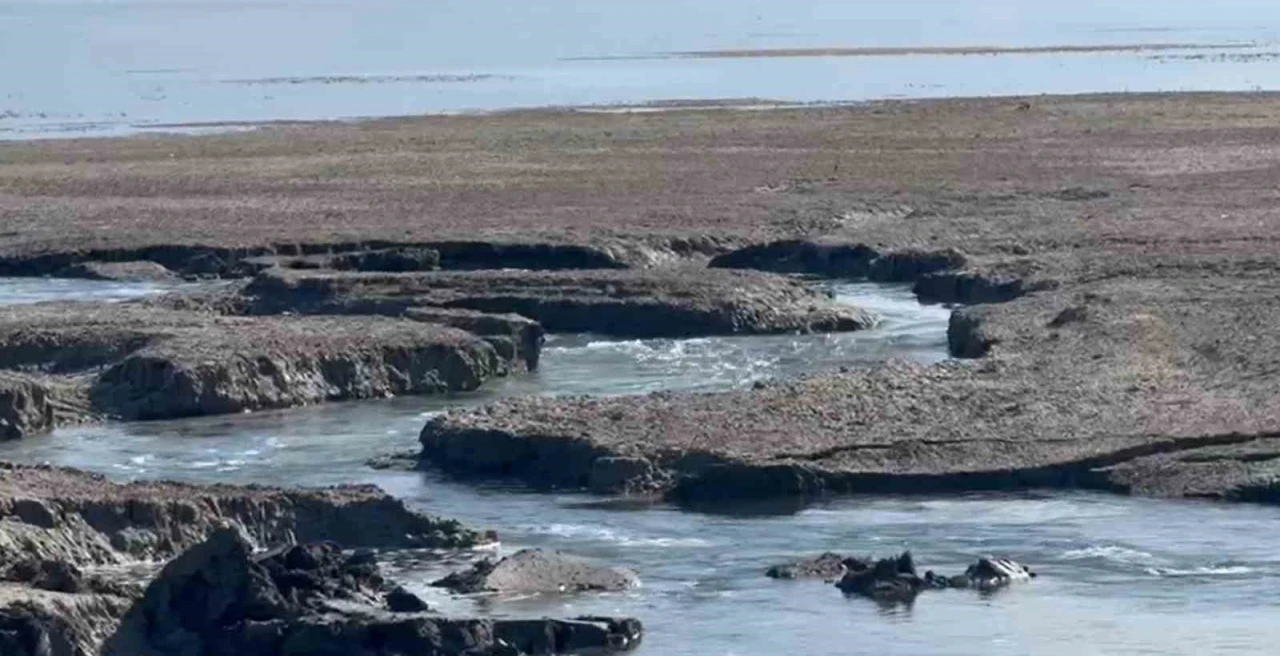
1134	574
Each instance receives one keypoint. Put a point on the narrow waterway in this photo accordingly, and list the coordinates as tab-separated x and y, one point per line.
1119	575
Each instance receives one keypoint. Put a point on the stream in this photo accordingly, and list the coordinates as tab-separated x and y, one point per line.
1118	574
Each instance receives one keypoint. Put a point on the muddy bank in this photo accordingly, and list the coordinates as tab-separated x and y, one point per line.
663	302
1123	249
139	361
84	519
204	260
1151	376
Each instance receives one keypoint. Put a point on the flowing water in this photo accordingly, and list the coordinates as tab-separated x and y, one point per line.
1118	575
101	67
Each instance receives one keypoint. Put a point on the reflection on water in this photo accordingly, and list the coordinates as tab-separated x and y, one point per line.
1118	575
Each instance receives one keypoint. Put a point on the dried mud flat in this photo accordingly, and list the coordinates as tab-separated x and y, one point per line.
1122	252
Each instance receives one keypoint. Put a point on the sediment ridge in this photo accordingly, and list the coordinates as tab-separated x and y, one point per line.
135	361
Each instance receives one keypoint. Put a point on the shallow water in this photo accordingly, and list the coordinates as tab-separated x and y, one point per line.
1119	575
15	291
103	67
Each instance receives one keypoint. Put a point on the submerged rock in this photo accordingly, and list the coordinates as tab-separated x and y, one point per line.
828	566
888	579
991	573
896	579
538	571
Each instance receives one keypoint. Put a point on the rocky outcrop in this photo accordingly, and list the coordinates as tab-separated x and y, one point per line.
888	579
516	338
142	361
673	302
25	407
218	598
35	622
68	516
896	580
57	525
535	571
989	574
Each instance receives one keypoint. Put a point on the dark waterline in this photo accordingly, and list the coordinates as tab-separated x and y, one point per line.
1120	575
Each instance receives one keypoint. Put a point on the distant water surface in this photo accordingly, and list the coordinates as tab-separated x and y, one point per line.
101	67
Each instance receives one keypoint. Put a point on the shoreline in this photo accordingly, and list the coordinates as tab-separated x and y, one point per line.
197	129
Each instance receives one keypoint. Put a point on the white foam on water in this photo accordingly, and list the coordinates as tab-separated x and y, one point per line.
601	534
1112	552
1223	570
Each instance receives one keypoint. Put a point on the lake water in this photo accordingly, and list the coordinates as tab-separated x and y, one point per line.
103	67
1118	575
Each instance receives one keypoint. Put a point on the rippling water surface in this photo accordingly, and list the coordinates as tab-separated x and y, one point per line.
1119	575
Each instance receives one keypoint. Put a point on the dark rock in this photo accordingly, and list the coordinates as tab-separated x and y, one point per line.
400	600
23	633
991	573
841	260
973	287
617	475
309	575
828	566
966	337
538	571
889	579
25	407
216	598
75	519
52	575
896	580
388	259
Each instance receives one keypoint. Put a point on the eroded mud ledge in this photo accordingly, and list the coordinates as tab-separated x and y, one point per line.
1128	268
